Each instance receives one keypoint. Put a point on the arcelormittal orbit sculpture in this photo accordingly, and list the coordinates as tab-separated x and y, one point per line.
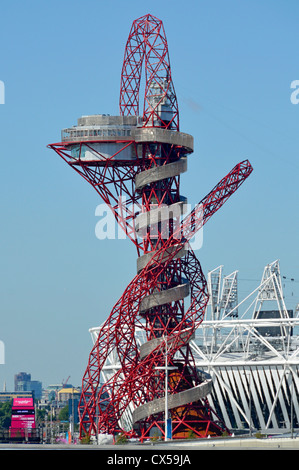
135	162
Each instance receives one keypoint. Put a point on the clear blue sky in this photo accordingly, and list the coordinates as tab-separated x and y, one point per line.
232	61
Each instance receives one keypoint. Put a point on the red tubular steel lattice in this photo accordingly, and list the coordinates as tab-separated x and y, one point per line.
144	195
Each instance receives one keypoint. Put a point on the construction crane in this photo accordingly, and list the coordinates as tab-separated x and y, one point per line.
64	382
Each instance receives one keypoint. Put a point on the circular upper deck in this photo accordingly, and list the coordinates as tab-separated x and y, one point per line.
100	137
99	127
105	127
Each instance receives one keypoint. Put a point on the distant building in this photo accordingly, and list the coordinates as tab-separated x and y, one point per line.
51	391
7	396
23	383
68	393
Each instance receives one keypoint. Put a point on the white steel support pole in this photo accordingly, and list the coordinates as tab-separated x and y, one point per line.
250	404
166	368
292	409
166	388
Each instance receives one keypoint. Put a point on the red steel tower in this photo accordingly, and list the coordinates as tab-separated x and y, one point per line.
135	163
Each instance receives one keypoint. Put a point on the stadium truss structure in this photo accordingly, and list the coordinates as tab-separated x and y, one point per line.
250	350
135	163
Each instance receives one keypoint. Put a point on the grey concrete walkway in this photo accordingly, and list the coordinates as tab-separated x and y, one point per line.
205	444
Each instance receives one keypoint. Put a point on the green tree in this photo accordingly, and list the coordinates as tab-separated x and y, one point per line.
64	414
40	415
5	414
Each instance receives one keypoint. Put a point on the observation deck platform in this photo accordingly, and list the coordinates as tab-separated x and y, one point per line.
100	137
